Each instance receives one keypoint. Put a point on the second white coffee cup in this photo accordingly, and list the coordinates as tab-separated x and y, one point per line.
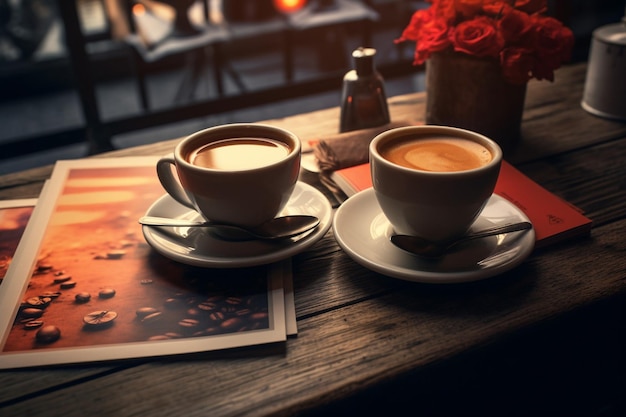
433	181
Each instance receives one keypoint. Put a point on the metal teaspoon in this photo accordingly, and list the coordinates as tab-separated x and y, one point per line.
428	249
277	228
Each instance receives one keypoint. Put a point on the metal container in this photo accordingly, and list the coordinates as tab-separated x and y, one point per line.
363	98
605	84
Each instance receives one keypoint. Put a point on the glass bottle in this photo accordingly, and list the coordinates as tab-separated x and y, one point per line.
363	101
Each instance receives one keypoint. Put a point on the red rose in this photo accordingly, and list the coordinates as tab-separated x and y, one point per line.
499	7
531	6
433	37
514	25
527	43
517	64
469	8
445	9
495	7
553	41
412	30
478	37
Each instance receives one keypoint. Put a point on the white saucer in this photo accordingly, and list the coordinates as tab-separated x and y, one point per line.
196	246
363	232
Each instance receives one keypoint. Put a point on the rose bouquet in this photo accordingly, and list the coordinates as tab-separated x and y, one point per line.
516	33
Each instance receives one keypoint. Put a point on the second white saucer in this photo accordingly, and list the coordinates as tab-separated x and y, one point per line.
363	232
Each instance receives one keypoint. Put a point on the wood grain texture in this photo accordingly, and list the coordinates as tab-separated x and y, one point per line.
358	345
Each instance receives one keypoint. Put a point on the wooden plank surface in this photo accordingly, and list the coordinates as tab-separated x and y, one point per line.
359	330
400	331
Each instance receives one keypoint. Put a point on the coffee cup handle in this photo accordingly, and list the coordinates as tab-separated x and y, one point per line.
170	182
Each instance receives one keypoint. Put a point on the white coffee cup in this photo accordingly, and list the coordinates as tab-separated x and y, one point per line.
242	174
424	193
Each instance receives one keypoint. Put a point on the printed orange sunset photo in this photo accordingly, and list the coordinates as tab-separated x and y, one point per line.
97	282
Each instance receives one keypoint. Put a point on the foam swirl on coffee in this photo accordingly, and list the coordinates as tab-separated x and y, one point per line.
439	154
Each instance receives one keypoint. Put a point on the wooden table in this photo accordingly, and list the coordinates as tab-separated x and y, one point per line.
545	338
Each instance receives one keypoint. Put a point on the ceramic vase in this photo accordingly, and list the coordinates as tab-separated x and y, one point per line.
471	93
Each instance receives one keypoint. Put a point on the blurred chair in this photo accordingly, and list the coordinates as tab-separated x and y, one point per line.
329	20
96	134
198	43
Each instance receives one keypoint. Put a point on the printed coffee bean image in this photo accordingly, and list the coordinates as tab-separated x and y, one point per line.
116	254
82	297
106	293
194	312
188	323
217	316
165	301
48	334
158	337
209	331
261	315
31	312
232	323
43	268
243	312
98	319
33	324
145	311
61	278
50	294
212	314
207	306
39	302
233	300
173	302
153	318
228	309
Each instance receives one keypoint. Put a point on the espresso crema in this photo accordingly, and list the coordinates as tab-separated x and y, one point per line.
238	154
438	154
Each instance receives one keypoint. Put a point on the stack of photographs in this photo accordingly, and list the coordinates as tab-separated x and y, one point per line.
81	284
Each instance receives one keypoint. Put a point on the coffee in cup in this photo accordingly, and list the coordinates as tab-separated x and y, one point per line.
239	153
241	174
437	154
433	181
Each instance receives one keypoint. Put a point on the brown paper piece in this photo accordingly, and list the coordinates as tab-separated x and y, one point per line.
346	149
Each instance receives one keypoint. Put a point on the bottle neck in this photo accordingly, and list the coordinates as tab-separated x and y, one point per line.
364	66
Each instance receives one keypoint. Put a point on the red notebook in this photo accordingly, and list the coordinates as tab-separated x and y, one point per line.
553	218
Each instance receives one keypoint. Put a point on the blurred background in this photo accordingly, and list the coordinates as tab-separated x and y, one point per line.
79	77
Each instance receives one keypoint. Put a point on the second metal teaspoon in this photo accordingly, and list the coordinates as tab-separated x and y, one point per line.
428	249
